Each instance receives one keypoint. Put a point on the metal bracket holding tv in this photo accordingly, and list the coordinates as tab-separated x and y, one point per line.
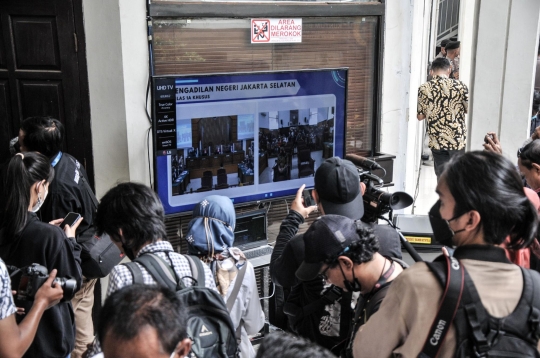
249	136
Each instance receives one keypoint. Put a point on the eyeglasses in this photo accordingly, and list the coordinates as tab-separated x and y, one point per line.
323	273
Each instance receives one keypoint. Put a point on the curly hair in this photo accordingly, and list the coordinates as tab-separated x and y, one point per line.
361	250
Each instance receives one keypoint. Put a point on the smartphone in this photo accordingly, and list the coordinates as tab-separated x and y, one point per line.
70	219
308	199
486	138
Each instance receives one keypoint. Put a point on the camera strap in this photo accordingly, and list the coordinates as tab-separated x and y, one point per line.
452	274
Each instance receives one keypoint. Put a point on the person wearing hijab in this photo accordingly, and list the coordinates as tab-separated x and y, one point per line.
211	237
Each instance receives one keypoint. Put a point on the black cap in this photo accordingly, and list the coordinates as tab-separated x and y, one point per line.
444	42
326	239
452	45
338	186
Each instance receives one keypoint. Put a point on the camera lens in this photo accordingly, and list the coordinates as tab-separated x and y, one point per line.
69	286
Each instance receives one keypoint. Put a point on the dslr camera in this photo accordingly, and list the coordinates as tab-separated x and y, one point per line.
35	275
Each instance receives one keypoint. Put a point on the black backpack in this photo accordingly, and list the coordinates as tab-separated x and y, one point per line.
209	325
478	334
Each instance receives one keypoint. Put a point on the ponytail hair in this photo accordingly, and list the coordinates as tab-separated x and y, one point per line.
490	184
24	170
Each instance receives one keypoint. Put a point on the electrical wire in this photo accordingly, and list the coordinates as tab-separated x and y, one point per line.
417	189
273	292
148	155
147	111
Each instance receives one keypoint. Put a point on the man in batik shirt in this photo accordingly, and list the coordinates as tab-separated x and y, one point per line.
443	102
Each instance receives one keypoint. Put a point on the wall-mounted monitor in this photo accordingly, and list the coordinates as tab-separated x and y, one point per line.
249	136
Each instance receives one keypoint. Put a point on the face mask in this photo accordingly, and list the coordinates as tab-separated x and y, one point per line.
350	287
39	202
441	228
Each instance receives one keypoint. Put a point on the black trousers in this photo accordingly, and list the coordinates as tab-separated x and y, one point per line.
441	157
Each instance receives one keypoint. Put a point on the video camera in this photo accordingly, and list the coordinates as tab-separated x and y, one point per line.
378	202
34	276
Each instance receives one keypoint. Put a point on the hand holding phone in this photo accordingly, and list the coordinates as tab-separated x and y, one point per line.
70	219
300	203
308	199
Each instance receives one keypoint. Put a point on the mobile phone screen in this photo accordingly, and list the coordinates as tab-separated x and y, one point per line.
308	200
70	219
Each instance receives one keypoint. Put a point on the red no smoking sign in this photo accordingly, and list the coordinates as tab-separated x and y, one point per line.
285	30
260	30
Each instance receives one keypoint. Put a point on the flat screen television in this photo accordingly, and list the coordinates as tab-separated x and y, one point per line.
249	136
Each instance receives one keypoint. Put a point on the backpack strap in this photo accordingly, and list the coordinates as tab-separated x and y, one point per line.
160	270
531	281
476	318
236	288
232	299
451	273
197	270
136	272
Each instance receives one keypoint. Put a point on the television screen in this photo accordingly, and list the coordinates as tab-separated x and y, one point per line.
249	136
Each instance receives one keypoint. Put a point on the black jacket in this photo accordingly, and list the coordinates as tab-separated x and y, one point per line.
67	193
46	245
323	327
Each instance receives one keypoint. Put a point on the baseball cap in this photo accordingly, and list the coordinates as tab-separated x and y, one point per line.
327	238
338	186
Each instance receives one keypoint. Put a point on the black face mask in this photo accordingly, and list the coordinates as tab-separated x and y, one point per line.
350	287
442	232
129	252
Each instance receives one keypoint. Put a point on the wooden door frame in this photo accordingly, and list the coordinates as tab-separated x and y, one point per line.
84	115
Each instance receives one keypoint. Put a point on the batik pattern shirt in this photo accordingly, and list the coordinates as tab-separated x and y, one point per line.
444	102
7	307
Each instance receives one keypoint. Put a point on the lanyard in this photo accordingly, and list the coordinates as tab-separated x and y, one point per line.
56	159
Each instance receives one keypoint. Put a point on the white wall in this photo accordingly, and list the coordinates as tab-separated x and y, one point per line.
264	120
404	63
136	73
502	66
117	70
274	120
303	114
107	98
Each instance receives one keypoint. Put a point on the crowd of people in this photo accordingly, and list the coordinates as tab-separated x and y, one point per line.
342	288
